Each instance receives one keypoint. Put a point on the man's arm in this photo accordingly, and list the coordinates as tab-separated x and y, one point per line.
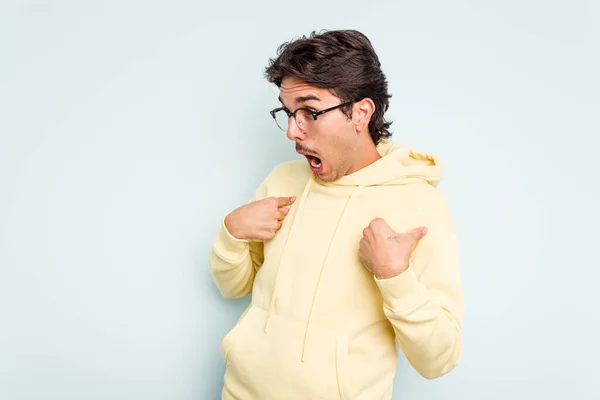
238	249
234	262
424	305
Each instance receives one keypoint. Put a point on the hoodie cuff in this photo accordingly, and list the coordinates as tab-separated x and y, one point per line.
402	293
228	246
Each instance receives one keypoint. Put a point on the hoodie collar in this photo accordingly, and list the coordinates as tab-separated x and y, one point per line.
398	165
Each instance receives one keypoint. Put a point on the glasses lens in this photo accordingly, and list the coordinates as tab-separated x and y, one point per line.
304	119
282	120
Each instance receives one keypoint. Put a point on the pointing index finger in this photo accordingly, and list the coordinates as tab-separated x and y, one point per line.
285	201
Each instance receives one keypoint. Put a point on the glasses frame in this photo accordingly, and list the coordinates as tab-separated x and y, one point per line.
314	114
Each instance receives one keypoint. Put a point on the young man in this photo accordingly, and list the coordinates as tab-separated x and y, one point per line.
346	254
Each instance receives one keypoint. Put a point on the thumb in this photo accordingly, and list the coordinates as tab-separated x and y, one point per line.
418	233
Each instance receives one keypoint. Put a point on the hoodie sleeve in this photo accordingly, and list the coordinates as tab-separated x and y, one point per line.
424	306
234	262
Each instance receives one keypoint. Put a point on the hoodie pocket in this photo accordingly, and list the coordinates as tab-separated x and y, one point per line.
269	365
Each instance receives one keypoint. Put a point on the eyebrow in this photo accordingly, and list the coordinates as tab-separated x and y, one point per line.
302	99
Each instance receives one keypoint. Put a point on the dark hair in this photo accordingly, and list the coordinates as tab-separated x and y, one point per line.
343	61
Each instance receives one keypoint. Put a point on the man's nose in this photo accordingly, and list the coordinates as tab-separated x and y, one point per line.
293	131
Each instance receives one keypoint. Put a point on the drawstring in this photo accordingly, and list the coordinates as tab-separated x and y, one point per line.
346	208
275	287
300	205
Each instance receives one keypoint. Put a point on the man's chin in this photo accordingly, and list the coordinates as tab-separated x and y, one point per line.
326	176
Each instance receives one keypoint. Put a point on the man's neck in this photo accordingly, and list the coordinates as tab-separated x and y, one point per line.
368	156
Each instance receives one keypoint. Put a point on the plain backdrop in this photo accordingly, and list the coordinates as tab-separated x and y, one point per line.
128	129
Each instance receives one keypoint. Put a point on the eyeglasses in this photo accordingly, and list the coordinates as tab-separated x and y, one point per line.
305	117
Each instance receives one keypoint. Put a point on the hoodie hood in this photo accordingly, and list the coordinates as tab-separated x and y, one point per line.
398	165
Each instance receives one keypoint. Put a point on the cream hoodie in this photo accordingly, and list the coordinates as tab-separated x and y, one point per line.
320	325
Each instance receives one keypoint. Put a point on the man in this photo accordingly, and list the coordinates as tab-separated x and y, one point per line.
346	254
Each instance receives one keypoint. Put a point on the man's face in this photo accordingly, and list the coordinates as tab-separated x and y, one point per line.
331	138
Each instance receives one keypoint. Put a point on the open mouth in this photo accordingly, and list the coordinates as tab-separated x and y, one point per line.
315	163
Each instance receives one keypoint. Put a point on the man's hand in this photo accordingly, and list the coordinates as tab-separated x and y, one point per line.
260	220
385	252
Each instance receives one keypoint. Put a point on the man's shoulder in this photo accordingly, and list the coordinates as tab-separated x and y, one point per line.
289	170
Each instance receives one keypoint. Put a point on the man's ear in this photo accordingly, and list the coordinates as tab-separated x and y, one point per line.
362	112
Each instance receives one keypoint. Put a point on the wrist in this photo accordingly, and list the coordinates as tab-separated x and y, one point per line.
231	228
391	272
